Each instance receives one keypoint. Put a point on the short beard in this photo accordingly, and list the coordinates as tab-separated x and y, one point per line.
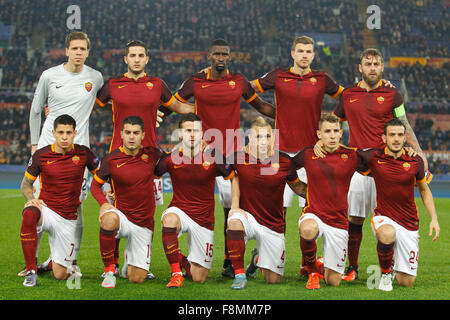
371	82
220	68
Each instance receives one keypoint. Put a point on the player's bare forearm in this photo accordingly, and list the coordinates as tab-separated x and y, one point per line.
428	202
27	188
263	107
181	107
299	188
410	135
235	192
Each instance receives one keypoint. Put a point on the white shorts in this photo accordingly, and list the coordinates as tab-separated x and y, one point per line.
61	236
200	239
334	241
158	191
139	241
362	196
406	248
271	245
224	187
289	194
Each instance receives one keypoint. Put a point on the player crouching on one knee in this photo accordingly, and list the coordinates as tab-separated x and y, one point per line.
130	170
396	220
257	206
61	167
193	169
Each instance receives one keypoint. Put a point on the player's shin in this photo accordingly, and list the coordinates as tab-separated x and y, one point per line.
385	256
29	237
309	249
236	250
354	243
171	248
107	247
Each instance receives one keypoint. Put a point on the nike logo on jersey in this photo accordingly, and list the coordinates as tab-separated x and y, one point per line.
314	157
205	86
120	87
381	162
50	162
179	166
57	87
287	80
120	164
353	100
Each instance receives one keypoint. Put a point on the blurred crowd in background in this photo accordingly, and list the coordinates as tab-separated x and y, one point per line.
260	33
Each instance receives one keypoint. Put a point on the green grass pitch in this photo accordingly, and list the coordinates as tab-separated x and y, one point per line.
433	281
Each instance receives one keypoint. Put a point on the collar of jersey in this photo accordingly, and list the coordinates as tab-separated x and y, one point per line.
209	73
53	147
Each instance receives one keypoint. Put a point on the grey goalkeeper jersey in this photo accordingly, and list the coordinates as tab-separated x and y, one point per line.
65	93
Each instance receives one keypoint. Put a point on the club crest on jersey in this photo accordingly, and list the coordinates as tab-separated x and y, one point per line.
232	84
313	81
144	157
206	165
76	159
149	85
88	86
344	156
380	99
406	166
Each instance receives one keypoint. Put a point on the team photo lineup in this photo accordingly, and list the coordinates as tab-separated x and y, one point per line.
230	149
301	155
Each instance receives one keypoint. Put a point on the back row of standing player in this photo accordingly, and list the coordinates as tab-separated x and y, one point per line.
299	92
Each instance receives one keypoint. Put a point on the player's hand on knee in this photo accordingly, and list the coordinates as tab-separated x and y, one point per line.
319	151
35	203
103	209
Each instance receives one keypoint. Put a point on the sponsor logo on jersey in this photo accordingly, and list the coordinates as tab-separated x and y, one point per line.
88	86
232	84
380	99
76	159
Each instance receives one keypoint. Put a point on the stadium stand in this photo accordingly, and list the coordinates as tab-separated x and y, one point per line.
414	46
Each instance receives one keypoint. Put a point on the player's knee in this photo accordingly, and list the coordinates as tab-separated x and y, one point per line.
109	221
386	234
199	277
60	273
170	220
333	280
308	229
136	278
356	220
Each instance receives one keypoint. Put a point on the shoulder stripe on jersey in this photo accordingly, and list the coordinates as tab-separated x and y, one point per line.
180	98
342	119
258	85
99	180
168	103
231	175
253	97
30	176
101	104
341	88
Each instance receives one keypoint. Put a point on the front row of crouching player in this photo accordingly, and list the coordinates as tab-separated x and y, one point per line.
258	176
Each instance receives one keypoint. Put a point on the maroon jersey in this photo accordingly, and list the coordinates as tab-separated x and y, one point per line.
394	181
328	183
218	104
262	194
298	105
61	177
193	183
131	97
367	112
131	179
